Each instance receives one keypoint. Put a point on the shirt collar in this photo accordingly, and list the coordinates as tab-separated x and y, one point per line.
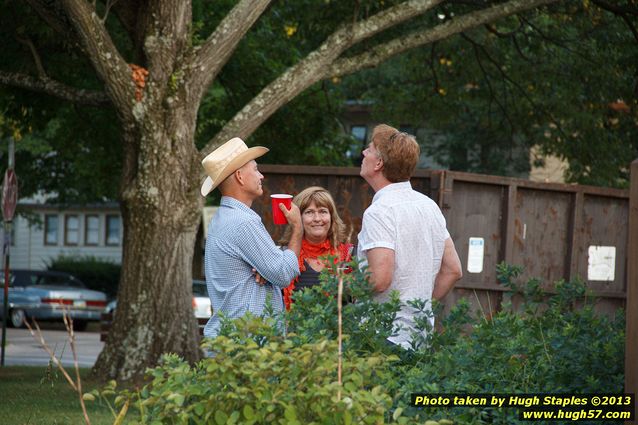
233	203
392	187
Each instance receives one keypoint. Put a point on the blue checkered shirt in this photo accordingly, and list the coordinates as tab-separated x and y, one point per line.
237	242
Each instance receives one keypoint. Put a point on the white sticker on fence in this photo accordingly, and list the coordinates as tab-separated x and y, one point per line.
475	255
601	264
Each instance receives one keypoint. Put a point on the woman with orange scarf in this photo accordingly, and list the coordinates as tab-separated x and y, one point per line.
324	235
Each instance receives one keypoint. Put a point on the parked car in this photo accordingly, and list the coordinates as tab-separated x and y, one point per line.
47	295
201	300
201	309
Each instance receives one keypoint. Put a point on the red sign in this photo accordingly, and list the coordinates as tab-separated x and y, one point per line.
9	194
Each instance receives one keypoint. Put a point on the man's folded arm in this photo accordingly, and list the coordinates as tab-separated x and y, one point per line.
277	266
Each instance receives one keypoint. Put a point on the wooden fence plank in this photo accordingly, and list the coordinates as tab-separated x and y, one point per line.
631	332
575	230
509	223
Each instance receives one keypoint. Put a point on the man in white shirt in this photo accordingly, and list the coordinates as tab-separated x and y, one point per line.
403	238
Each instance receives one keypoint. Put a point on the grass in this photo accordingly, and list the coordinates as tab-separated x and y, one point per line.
41	396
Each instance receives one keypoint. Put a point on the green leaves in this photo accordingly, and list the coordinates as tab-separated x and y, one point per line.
259	375
366	323
290	413
220	417
275	381
249	413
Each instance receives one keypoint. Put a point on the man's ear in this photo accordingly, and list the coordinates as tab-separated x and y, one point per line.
239	177
378	165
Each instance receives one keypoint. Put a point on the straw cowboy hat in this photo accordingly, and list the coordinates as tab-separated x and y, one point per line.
227	159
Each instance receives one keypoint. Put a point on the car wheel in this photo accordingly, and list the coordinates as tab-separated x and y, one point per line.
80	325
17	318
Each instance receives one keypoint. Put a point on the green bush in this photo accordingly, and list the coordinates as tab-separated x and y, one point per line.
257	376
96	273
551	343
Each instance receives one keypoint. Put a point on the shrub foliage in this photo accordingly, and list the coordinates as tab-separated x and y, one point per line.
96	273
263	372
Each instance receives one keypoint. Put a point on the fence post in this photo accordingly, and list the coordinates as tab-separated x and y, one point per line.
575	229
631	308
509	225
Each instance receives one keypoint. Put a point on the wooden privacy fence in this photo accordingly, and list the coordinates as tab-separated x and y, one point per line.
547	228
555	231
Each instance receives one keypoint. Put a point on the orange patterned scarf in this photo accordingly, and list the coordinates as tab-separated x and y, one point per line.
310	250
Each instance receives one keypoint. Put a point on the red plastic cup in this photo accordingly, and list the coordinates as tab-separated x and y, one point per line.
278	217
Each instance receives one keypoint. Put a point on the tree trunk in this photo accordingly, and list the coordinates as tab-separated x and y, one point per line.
161	208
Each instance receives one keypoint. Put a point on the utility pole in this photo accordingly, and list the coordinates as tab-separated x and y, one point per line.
9	202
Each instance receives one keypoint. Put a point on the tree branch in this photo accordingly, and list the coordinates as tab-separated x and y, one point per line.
557	43
492	29
616	9
49	86
101	51
55	17
522	91
631	26
622	12
313	68
34	52
107	8
167	40
493	96
437	85
471	20
133	16
211	56
519	50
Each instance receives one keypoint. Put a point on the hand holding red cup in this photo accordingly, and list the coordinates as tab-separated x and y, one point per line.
277	199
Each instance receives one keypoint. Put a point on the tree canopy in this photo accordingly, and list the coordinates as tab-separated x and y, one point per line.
487	95
155	86
562	78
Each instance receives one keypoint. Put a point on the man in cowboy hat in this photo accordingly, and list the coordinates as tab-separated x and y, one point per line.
238	244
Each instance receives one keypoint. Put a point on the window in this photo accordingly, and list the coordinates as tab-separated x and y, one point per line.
91	230
71	230
407	129
112	229
12	234
360	134
50	229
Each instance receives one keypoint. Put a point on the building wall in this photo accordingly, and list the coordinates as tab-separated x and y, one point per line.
552	169
29	251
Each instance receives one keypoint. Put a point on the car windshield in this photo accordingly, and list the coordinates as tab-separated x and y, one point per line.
12	278
199	289
59	280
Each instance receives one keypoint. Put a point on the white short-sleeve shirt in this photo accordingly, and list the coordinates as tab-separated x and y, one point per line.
412	225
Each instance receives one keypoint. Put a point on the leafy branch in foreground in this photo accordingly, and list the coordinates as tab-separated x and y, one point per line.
257	375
